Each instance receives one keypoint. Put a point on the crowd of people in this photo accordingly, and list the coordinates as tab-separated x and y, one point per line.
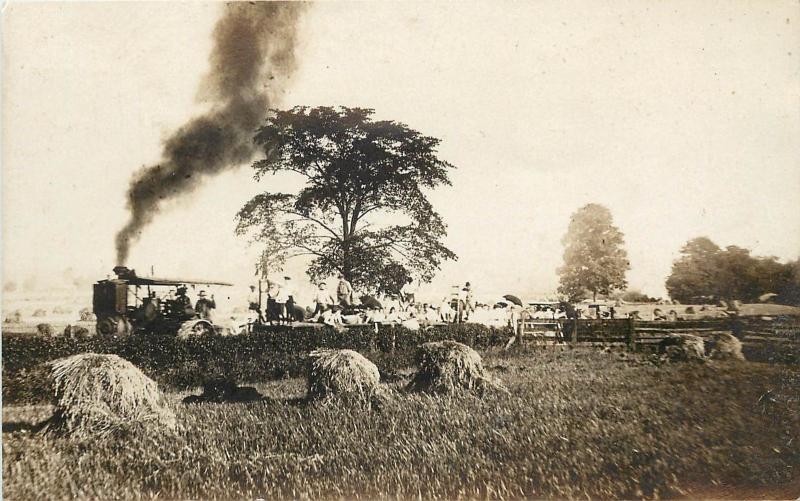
340	306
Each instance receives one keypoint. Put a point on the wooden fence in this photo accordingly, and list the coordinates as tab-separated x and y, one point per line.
637	333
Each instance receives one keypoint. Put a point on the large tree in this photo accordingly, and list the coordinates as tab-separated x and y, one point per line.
594	257
363	208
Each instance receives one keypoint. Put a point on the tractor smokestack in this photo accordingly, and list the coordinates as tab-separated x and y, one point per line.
123	272
252	58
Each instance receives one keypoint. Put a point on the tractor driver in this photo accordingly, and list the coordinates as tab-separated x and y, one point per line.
183	305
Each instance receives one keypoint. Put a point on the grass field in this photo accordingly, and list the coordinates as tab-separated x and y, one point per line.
578	423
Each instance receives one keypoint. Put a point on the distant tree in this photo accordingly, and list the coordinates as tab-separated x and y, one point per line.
694	276
707	274
594	257
635	296
789	289
363	208
10	286
744	277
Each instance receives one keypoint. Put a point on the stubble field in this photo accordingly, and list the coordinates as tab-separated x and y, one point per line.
577	424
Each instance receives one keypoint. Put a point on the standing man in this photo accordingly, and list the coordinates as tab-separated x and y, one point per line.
469	300
344	291
278	294
204	306
288	291
408	293
254	302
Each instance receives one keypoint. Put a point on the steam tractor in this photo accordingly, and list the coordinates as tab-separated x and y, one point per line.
129	304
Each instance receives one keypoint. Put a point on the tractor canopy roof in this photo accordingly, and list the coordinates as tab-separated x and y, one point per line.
129	276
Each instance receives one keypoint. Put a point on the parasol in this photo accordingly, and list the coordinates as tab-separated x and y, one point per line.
370	302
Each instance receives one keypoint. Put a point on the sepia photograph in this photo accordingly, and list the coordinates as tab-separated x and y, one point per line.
421	250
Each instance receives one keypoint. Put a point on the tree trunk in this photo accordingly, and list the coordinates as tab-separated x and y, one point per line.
347	267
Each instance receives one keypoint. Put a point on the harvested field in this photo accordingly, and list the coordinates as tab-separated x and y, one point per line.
577	423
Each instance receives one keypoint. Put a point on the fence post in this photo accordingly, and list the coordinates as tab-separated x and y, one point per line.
574	336
631	333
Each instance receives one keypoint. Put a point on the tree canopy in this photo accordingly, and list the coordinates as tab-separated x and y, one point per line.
362	210
705	273
594	257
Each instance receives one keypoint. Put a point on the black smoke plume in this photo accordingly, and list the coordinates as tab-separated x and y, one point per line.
253	55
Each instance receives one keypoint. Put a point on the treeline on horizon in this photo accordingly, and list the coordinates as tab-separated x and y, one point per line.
596	263
706	274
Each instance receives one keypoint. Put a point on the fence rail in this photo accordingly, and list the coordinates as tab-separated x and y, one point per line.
636	332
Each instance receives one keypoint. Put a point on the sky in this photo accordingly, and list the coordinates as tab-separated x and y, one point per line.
681	117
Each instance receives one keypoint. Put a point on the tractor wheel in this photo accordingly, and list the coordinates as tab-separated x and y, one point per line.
195	328
113	326
202	329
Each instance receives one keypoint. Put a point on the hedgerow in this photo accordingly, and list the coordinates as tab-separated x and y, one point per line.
257	357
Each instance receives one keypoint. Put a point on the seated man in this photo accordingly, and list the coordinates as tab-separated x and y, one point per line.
431	315
332	316
411	322
375	316
352	317
392	316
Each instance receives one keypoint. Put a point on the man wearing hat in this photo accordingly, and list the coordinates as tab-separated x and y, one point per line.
288	291
204	306
183	305
344	291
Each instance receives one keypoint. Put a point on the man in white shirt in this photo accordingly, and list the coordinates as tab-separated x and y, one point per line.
445	310
277	292
408	293
323	299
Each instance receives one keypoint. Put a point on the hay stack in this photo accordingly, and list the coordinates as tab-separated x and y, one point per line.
725	346
101	394
86	315
683	348
76	332
14	317
447	366
342	373
44	330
